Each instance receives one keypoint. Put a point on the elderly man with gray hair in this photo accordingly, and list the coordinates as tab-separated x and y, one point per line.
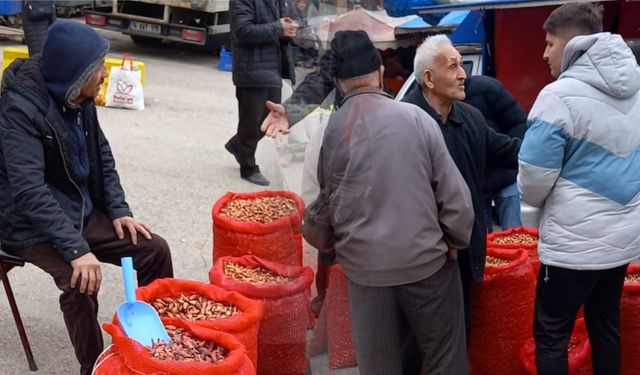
399	210
471	142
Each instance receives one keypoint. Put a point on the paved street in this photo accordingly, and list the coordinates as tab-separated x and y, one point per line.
173	167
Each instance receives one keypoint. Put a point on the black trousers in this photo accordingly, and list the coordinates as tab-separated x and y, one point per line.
559	295
251	112
466	276
428	311
151	258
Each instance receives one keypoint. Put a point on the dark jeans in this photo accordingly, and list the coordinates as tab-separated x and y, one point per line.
151	258
508	210
560	293
251	112
429	311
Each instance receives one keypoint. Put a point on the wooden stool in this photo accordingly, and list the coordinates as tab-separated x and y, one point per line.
6	263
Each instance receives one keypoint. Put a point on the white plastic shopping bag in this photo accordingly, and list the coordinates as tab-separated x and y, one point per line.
125	87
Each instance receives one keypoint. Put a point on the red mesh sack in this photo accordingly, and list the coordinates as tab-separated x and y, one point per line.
287	313
129	357
579	352
333	331
110	363
243	326
493	240
279	241
502	313
630	322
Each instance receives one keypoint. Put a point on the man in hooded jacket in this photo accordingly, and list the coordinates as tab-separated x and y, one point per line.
579	163
62	207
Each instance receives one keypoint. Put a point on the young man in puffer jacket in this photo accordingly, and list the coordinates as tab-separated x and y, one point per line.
580	163
62	207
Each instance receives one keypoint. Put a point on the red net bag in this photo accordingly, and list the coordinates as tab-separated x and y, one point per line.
287	313
579	352
502	313
333	331
109	363
630	322
126	356
517	238
243	324
278	241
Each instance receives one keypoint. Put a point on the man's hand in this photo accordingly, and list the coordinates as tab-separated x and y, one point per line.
87	269
276	121
289	27
133	226
452	254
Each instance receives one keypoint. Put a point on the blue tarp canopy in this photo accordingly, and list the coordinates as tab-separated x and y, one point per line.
465	27
451	19
398	8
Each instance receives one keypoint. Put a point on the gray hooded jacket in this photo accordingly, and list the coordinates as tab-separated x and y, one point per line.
580	159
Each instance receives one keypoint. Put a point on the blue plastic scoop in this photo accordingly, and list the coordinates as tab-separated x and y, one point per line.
138	320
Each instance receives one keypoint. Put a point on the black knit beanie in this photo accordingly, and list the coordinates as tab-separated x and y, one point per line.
354	54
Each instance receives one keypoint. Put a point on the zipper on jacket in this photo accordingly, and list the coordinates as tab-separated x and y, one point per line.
64	163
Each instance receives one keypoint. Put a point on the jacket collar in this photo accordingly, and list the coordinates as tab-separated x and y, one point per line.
416	97
364	90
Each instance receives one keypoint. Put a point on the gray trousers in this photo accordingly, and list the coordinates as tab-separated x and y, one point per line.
383	319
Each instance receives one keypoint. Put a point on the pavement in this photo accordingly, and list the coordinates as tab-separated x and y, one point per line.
173	167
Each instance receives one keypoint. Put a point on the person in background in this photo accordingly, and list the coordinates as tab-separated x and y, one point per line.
506	116
262	57
62	207
306	41
37	16
580	164
402	212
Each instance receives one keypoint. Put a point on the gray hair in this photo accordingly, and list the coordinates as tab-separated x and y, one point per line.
426	54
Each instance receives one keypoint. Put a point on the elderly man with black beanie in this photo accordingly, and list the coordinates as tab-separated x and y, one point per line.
399	209
62	207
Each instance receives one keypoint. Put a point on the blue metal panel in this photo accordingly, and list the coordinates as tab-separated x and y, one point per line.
398	8
10	7
470	31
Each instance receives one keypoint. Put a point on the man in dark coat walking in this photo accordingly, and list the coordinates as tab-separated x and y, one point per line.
262	57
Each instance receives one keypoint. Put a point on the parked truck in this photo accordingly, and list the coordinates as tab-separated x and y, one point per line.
199	22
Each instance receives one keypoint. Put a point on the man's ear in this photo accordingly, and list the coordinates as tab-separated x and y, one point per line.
381	76
427	79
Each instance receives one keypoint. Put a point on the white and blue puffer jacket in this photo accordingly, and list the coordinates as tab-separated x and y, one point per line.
580	158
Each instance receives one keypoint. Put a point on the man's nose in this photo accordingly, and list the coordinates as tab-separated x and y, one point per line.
461	73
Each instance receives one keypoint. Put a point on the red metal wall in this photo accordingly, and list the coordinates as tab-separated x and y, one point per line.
630	19
518	49
519	45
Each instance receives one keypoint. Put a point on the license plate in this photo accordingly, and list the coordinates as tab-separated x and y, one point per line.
145	27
